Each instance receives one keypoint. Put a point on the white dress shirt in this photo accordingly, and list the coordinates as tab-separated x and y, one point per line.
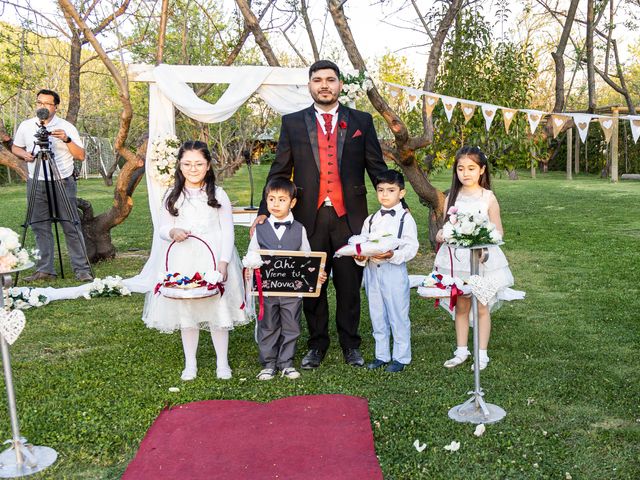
391	225
304	247
334	119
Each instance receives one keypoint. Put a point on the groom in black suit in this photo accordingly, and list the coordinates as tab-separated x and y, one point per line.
326	150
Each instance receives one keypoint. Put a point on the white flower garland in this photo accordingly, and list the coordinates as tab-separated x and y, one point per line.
163	156
111	286
12	255
23	298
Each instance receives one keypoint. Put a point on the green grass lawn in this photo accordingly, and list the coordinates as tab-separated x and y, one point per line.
90	378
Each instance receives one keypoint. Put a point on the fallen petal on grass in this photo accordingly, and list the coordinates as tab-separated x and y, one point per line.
418	446
479	431
174	389
453	446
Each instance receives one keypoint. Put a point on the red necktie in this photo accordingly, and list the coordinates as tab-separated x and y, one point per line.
327	123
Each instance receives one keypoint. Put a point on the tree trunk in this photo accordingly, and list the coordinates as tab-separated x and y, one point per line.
558	56
73	106
591	76
253	25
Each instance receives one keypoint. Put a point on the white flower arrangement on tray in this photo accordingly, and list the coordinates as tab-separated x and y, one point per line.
467	229
353	86
199	285
12	255
369	245
111	286
163	156
23	298
441	285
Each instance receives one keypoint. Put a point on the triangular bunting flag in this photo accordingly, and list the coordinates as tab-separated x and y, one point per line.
534	117
467	110
507	116
449	104
607	127
412	97
394	90
557	122
582	124
635	127
489	113
430	102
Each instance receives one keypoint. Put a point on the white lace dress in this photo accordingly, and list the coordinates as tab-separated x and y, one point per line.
456	261
215	227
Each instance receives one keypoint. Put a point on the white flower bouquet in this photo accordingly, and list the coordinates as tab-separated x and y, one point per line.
111	286
467	229
252	260
23	298
369	245
12	255
163	156
353	86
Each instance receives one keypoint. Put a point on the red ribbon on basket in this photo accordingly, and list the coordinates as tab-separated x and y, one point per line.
455	291
358	249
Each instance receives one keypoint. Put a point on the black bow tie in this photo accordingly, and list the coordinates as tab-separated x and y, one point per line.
390	212
282	224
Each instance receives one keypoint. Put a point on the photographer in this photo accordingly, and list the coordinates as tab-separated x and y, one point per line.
65	144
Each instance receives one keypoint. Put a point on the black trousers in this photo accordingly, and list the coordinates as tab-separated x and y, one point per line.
330	233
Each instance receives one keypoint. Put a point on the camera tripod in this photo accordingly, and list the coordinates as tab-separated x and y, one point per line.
58	204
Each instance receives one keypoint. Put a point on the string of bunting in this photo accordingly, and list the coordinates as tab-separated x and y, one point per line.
489	111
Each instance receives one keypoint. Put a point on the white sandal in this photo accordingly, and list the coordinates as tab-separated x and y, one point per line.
455	361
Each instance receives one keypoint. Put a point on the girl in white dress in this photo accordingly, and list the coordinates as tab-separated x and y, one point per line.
196	206
471	193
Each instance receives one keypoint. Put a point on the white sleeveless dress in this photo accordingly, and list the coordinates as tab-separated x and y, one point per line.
215	227
456	261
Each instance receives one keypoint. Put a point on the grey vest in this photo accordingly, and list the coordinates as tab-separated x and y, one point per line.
291	239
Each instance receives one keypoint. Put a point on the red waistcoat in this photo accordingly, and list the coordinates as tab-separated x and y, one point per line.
330	184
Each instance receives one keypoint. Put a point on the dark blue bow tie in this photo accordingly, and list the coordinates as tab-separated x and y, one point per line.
282	224
390	212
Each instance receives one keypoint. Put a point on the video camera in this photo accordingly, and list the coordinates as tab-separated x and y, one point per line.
42	135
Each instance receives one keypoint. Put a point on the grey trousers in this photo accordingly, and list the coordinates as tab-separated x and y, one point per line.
41	226
278	331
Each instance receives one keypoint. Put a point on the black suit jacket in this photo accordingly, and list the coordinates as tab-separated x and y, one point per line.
297	158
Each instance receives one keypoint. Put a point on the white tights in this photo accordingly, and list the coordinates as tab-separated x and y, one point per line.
220	340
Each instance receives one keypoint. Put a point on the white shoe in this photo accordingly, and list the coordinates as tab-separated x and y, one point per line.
483	364
189	373
223	373
459	359
266	374
290	373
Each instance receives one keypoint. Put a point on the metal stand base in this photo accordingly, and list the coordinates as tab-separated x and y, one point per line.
476	410
34	459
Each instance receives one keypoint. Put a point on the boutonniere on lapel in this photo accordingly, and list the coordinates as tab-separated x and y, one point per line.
342	124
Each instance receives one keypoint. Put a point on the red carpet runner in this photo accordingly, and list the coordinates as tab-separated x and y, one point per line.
306	437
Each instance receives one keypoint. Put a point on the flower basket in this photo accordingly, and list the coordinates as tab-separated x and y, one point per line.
182	287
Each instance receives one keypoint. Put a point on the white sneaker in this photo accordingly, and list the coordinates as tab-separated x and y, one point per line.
290	373
223	373
266	374
189	373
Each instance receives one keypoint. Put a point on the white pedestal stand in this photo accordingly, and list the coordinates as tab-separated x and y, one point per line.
20	459
475	409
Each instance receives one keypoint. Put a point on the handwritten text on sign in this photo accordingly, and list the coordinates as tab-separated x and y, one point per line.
288	273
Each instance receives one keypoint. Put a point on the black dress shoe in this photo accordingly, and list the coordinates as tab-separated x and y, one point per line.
312	359
353	357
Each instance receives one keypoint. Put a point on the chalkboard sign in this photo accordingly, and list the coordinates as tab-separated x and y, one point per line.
287	273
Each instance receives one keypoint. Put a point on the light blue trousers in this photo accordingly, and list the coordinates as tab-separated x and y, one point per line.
387	287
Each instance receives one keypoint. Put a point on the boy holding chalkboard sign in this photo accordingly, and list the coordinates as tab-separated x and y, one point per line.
385	275
279	328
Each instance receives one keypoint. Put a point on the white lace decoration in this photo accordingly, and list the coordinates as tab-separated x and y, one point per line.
483	289
11	325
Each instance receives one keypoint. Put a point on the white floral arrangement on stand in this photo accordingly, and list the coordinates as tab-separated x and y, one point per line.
24	298
12	255
163	156
111	286
353	87
467	229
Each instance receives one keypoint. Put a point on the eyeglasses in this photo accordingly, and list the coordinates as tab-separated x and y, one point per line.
192	166
45	104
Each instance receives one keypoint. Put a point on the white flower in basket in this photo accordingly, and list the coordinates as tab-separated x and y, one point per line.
194	285
441	285
162	158
12	255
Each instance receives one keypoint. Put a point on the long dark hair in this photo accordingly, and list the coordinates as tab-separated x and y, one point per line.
478	156
209	178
